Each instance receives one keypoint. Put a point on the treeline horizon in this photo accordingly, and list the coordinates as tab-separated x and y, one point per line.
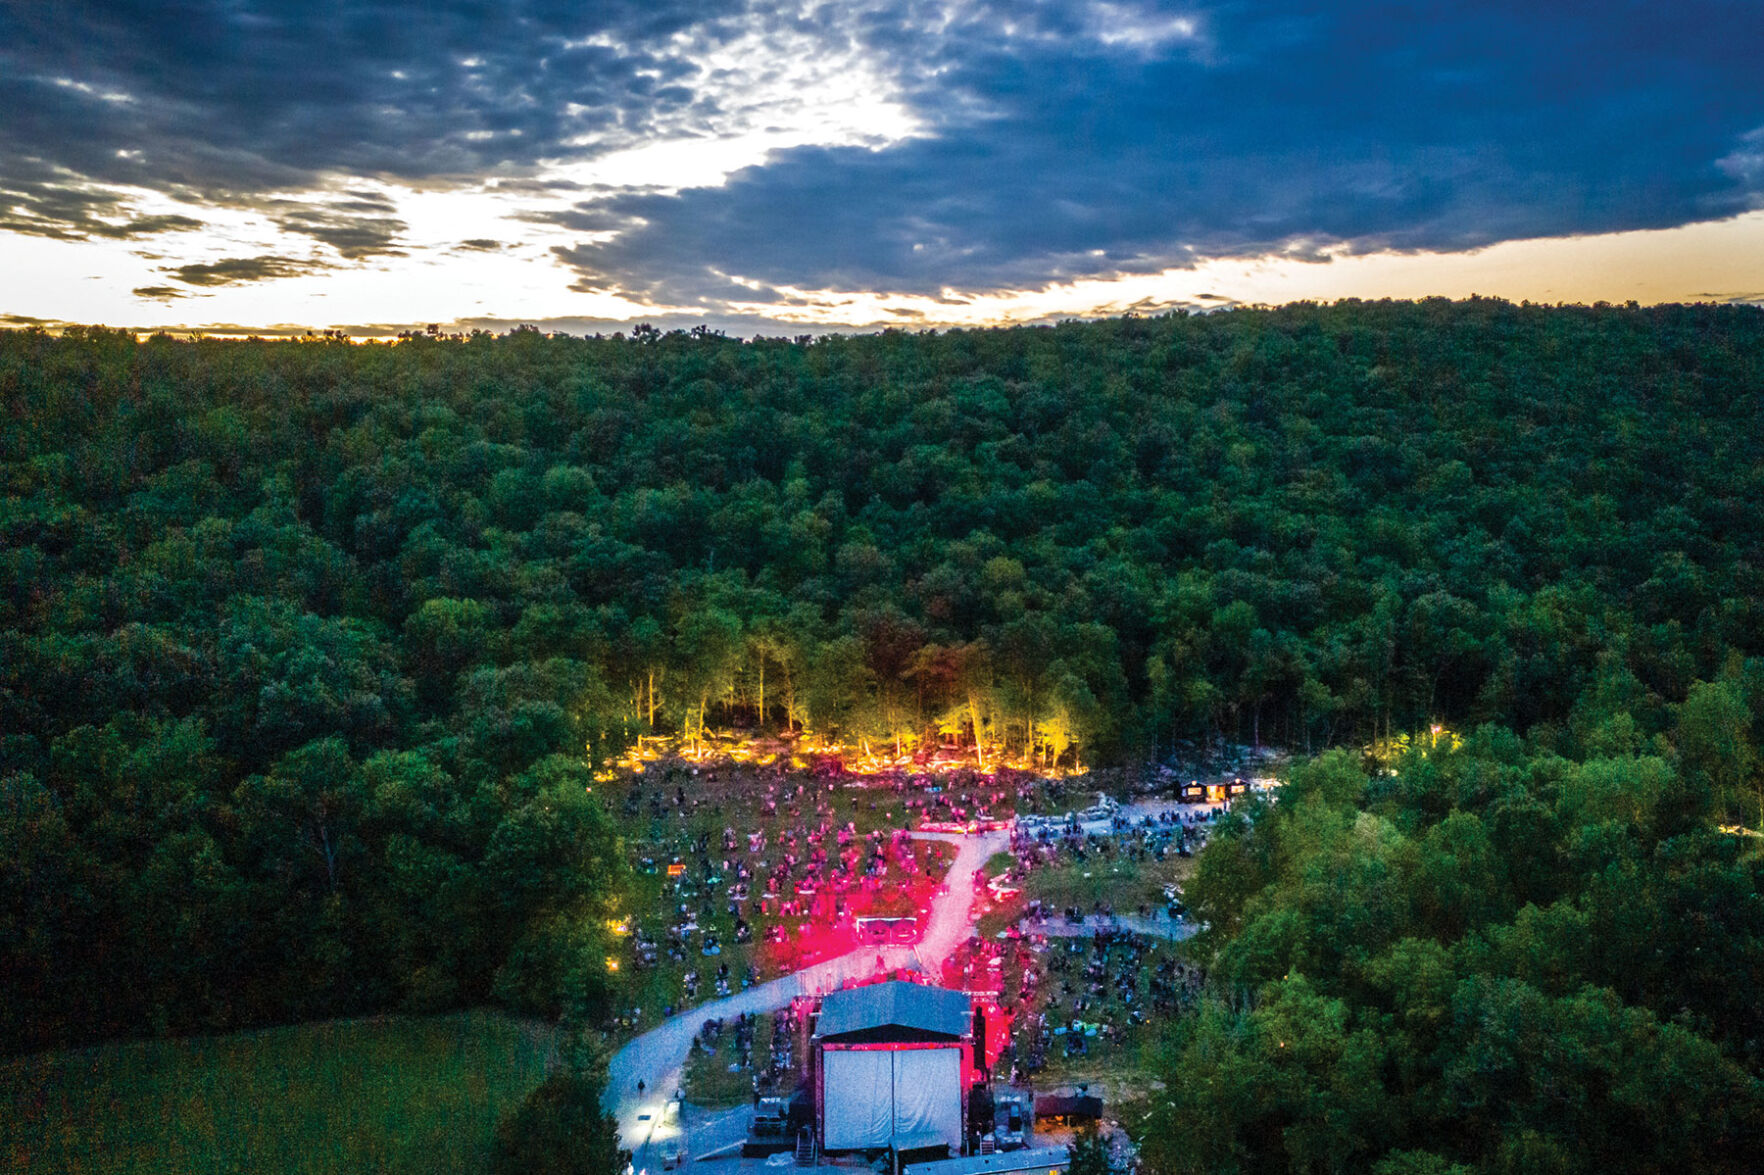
300	645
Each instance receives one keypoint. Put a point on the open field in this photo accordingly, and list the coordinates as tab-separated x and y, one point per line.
384	1095
1090	1003
1077	1006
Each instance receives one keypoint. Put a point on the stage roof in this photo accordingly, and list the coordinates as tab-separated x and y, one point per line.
895	1004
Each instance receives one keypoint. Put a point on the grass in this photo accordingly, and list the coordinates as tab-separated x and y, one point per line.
655	898
1118	1075
708	1081
1119	1069
1124	883
389	1094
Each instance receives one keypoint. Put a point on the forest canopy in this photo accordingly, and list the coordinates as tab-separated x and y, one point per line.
309	651
1489	958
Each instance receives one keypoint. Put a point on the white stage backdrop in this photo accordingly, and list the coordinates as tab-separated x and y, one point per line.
873	1095
860	1099
928	1093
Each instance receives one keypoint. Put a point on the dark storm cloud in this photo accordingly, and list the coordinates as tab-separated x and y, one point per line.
159	293
148	226
1378	126
534	187
226	99
233	271
355	237
49	210
365	202
480	245
37	200
586	218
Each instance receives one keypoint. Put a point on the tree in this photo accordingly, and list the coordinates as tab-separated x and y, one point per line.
1085	543
560	1129
287	677
443	636
1418	1162
839	683
1088	1153
557	872
1338	777
707	653
308	809
1714	740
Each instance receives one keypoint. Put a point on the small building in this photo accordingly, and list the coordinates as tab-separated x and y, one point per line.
892	1066
1068	1109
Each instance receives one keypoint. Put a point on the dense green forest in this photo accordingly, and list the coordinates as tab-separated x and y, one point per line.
1492	958
309	651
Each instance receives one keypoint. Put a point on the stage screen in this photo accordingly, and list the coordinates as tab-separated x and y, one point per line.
860	1099
875	1095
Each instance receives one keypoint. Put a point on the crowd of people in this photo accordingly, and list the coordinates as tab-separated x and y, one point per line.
1154	835
1076	978
759	872
1097	992
764	1046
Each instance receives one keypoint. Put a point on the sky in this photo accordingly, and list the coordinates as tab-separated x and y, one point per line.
763	167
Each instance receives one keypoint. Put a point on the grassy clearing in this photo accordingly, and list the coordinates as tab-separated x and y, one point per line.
1120	1075
660	990
391	1095
669	812
1124	883
1118	1056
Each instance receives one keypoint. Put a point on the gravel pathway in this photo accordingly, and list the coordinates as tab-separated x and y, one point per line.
1176	930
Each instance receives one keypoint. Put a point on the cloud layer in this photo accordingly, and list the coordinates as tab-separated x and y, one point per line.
1005	144
1374	128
